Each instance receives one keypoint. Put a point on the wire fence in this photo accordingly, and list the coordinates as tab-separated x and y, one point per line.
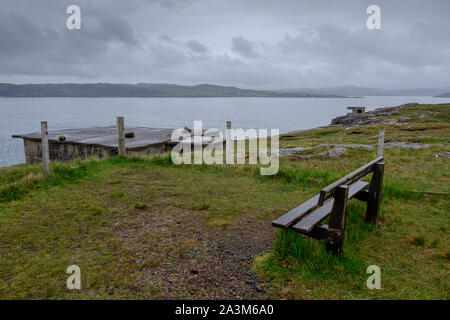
11	152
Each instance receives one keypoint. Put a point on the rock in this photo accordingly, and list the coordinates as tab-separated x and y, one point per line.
333	153
350	145
404	145
193	271
446	155
287	152
390	121
259	289
370	117
404	119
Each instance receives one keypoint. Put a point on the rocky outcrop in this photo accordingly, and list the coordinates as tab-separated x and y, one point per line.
443	154
369	117
411	146
349	145
294	152
339	149
287	152
333	153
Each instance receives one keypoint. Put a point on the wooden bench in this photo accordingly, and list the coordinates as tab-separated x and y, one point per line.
332	202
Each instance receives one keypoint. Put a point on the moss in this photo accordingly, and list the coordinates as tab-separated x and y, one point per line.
140	205
95	210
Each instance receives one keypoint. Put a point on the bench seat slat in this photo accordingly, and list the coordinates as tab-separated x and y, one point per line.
292	216
321	213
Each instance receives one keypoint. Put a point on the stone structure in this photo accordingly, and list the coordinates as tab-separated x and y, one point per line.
378	115
357	109
100	142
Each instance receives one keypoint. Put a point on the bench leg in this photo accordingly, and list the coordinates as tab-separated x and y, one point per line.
337	220
374	195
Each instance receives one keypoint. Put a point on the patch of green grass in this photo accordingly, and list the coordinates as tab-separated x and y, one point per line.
310	256
96	210
327	132
418	241
15	186
140	205
301	177
116	195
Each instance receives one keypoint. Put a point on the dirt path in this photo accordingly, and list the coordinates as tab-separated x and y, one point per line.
196	261
175	254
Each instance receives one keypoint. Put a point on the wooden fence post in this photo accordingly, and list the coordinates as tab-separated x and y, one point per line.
374	195
229	145
121	137
380	143
45	148
336	223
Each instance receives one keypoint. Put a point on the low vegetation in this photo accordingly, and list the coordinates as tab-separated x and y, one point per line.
145	228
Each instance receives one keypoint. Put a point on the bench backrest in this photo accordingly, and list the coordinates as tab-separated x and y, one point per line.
350	178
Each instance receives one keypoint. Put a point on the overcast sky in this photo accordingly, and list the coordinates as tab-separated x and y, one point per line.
247	43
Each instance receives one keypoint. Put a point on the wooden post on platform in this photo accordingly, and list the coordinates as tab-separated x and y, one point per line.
229	146
374	196
45	149
337	219
121	137
380	143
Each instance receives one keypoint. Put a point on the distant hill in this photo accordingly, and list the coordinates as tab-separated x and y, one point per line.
444	95
365	91
143	90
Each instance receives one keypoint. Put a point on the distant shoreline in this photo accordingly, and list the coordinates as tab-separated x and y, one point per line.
145	90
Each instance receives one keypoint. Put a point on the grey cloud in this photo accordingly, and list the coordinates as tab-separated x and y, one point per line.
114	29
244	47
192	45
332	43
197	46
296	44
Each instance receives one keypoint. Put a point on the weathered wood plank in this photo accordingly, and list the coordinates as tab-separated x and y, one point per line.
375	194
294	215
45	148
337	219
121	137
328	191
306	224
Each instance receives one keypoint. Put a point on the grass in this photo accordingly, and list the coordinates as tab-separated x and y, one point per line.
136	226
412	230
